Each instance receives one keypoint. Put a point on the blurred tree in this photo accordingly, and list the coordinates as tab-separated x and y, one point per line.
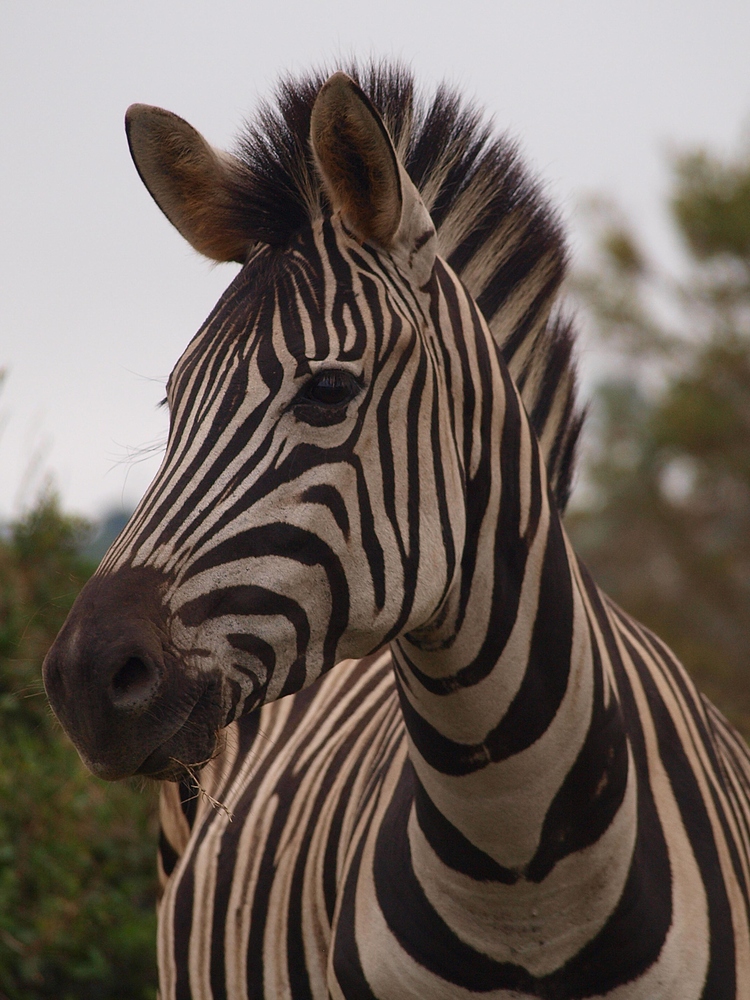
665	523
77	868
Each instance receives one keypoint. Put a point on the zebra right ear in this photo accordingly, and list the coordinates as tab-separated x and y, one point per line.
364	179
189	180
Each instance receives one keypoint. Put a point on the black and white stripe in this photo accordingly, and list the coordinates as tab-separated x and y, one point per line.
449	767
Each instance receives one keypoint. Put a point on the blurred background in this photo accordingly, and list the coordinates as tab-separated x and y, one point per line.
636	118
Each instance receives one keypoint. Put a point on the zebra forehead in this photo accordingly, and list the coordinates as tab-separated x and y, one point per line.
310	296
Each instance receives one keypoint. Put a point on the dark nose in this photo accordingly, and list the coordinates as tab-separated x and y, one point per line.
126	679
107	673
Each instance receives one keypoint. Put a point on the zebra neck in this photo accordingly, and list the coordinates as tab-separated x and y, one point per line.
514	731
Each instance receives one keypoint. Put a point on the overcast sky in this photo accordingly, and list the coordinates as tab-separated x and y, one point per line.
99	295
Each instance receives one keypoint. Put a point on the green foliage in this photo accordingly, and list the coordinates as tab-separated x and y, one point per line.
77	855
711	205
666	530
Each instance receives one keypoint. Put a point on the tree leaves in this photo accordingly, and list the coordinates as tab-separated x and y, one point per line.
77	856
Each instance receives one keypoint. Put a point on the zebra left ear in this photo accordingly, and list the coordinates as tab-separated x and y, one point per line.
364	179
190	181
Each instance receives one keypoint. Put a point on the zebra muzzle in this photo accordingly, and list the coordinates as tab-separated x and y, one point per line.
123	694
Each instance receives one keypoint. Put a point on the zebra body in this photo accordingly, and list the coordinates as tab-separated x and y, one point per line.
287	889
451	767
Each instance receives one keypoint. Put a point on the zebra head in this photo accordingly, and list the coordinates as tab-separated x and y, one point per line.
310	506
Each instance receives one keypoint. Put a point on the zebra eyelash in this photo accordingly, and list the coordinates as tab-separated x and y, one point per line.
342	387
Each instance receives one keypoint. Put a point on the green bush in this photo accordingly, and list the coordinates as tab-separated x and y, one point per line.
77	868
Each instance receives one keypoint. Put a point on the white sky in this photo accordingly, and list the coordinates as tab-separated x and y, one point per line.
99	295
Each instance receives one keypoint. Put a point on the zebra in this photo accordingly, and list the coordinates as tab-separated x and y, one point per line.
407	747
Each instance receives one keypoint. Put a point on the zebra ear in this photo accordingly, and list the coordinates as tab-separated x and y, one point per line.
364	179
189	180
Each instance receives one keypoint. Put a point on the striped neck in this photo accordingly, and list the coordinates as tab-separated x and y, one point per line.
523	770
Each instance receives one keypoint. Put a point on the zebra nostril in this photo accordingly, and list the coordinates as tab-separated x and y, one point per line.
133	684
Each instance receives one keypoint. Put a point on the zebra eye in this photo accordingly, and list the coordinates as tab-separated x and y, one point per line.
324	398
333	387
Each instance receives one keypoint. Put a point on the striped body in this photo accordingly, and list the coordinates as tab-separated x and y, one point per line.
303	884
448	767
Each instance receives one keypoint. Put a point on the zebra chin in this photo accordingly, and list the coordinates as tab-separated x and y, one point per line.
129	700
183	754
